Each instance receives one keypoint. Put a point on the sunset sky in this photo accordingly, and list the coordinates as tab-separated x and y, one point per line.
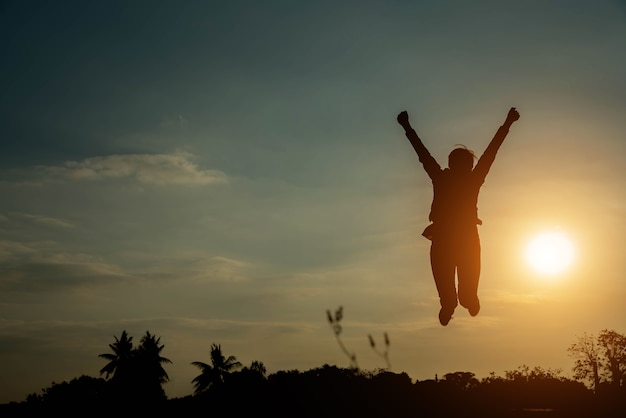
225	172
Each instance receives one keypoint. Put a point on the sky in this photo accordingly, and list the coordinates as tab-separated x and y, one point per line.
225	172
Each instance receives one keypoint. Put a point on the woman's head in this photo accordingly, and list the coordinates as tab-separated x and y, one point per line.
461	159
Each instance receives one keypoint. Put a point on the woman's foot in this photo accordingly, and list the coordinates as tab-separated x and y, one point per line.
445	315
473	308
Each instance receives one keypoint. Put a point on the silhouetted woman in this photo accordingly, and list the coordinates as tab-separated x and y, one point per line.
455	246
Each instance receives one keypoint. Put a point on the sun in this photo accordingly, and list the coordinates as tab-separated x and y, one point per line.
550	253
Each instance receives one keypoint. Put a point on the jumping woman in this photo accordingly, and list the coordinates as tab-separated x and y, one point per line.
455	245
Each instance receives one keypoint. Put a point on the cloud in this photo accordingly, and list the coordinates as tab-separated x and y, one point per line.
10	251
36	267
38	219
221	269
195	267
157	169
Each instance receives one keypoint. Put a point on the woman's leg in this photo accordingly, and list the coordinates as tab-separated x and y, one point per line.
468	271
443	268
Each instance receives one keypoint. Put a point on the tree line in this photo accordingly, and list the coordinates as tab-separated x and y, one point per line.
133	377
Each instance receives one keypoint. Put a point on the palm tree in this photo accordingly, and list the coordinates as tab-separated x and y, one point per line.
149	355
149	368
214	373
137	372
120	361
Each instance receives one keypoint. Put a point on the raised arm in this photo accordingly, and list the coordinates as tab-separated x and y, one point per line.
430	164
486	160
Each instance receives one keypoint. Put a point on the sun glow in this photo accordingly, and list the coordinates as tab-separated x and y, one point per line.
550	253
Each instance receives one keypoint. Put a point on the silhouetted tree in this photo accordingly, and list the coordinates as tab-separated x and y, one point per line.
120	361
527	387
587	359
76	398
138	373
82	391
150	373
258	367
248	376
612	346
214	373
525	374
248	383
461	380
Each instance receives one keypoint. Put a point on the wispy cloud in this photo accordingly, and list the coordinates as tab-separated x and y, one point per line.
38	219
159	169
11	251
222	269
36	266
197	268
